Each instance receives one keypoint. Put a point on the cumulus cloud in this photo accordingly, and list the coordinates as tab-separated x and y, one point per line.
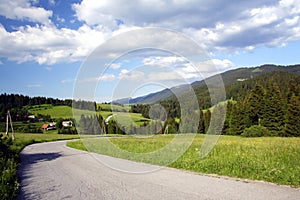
49	45
23	10
165	61
131	75
214	66
240	25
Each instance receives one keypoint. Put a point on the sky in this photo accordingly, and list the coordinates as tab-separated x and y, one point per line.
46	46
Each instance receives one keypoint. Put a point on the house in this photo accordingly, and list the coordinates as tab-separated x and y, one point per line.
45	126
67	123
33	118
50	126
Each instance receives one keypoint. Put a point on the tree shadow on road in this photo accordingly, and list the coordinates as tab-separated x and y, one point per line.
27	162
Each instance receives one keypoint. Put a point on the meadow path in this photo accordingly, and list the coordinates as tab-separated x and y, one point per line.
54	171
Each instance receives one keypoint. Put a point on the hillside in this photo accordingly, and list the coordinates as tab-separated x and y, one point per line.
200	88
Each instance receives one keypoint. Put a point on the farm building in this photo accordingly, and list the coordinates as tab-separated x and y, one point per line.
50	126
67	123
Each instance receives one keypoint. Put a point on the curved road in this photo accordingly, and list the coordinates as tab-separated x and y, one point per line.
54	171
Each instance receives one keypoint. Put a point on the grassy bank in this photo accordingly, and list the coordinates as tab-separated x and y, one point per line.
9	160
268	158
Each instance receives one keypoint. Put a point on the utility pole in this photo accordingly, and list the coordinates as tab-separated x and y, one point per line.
8	118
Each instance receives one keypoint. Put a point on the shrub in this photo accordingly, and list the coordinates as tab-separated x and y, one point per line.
256	131
67	130
8	169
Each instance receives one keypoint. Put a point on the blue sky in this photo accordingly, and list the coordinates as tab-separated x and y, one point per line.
45	43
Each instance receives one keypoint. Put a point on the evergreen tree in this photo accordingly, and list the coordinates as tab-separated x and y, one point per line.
217	119
273	113
201	127
254	104
207	116
237	122
292	126
227	122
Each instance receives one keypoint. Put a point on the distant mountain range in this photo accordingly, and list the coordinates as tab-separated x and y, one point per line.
229	78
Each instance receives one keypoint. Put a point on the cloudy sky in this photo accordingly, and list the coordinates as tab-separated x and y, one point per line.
44	43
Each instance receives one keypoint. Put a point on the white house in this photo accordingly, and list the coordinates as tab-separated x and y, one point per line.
67	123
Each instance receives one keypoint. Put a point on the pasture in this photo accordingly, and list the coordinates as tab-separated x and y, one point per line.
269	159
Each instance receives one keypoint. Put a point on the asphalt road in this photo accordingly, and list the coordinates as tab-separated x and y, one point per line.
54	171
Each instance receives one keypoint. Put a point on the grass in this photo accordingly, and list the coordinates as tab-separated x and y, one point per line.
56	111
115	108
269	159
126	119
66	111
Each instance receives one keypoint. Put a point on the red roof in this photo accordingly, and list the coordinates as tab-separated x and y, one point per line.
45	126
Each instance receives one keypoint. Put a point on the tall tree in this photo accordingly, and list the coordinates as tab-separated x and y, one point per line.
207	116
237	122
292	126
273	113
201	127
254	105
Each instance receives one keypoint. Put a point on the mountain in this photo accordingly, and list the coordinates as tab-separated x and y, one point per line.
229	77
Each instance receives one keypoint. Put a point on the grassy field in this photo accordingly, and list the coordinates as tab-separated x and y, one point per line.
113	107
268	158
66	112
126	119
56	111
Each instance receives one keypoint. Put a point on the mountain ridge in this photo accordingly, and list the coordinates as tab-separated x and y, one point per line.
229	77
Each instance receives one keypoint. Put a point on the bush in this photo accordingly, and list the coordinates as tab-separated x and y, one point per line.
256	131
67	130
8	169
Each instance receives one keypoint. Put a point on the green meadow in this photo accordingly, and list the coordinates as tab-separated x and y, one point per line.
56	111
270	159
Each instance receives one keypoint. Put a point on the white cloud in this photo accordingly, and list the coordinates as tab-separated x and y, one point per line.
68	80
131	75
52	2
34	85
23	10
241	25
214	66
49	45
104	77
115	65
166	61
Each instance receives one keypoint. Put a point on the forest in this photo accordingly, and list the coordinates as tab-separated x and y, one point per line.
267	105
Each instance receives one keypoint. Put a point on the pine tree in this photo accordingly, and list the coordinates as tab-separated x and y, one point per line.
273	113
237	124
201	127
207	116
292	126
254	104
217	119
228	119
